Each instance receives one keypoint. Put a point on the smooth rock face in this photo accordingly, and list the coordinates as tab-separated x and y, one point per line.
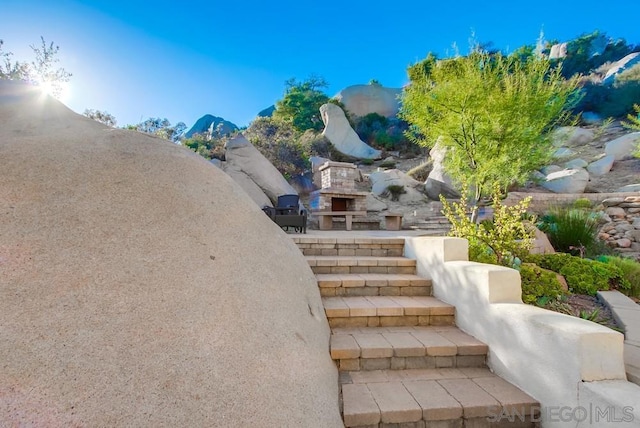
241	155
567	181
338	130
623	147
438	182
140	286
558	51
629	188
394	177
621	66
360	100
601	166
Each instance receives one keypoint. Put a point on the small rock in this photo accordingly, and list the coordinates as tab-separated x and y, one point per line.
623	243
632	199
616	212
563	152
603	236
601	166
634	235
623	227
567	181
576	163
612	202
550	169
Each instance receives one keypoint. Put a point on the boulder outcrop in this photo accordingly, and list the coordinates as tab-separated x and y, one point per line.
381	180
623	146
438	181
242	156
127	297
361	100
340	133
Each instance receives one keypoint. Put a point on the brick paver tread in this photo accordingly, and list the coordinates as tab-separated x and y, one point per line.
383	305
359	261
438	394
412	341
371	280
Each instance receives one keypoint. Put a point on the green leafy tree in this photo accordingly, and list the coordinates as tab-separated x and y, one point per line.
161	128
103	117
492	113
301	103
42	71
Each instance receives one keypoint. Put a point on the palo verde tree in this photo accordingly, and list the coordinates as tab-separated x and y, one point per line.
301	103
492	113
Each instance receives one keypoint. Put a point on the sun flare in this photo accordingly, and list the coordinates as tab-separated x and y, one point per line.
58	90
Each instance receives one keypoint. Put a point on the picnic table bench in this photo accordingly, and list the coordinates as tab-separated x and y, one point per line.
325	218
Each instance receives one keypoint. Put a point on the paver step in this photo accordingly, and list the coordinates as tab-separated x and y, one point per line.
387	311
377	348
434	397
373	284
343	246
632	362
361	264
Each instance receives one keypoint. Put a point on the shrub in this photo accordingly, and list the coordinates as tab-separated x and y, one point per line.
583	276
570	230
507	237
421	172
582	203
389	164
396	190
539	286
630	271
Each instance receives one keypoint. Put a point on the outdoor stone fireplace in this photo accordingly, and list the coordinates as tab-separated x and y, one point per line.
338	192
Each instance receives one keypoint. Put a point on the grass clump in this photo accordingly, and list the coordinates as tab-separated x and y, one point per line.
571	230
630	271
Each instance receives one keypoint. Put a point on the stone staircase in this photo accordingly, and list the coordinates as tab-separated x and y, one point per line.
434	225
402	361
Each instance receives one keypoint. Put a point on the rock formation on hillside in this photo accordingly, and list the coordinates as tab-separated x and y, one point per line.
344	139
360	100
140	286
255	174
211	127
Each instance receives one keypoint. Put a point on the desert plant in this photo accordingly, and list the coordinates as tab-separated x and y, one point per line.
421	172
630	270
396	190
570	229
582	203
388	164
539	286
583	276
506	238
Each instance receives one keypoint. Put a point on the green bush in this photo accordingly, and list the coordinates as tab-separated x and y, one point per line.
630	270
570	230
421	172
582	203
396	190
539	286
583	276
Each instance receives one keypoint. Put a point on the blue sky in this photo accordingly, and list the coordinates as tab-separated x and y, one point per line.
181	60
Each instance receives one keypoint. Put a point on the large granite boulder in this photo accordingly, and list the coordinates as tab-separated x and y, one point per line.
627	63
211	127
361	100
381	180
567	181
558	51
344	139
140	286
439	182
623	147
241	155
